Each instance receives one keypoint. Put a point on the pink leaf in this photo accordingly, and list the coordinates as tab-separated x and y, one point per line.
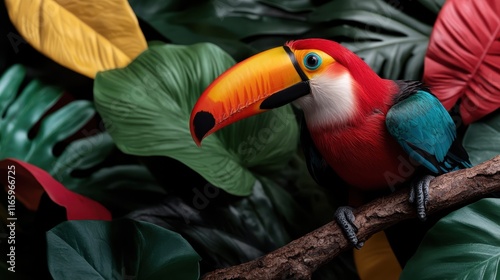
30	182
463	57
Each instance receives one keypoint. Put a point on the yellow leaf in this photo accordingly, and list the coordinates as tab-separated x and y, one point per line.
86	36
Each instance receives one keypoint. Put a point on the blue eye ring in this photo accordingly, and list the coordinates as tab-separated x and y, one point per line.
312	61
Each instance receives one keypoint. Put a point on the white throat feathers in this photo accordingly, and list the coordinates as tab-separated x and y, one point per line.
331	102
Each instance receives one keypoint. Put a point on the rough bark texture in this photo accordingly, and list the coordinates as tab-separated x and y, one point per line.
301	257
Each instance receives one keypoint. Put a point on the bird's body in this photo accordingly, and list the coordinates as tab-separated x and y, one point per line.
346	116
360	135
364	154
367	156
371	132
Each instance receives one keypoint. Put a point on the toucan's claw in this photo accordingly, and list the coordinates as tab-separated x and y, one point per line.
419	195
345	219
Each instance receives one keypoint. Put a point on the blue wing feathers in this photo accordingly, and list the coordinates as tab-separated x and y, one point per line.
426	131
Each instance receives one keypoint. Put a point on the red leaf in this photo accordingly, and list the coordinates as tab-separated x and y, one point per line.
30	182
463	57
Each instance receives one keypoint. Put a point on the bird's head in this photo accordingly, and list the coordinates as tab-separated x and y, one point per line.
331	84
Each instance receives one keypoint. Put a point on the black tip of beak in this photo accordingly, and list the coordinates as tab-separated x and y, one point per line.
203	122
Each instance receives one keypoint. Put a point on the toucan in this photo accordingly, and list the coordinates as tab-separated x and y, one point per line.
359	127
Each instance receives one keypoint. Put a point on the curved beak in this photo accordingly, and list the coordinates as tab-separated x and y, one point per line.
262	82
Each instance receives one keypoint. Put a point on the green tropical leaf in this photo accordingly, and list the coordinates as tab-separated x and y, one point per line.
482	138
117	250
21	112
148	105
391	42
463	245
120	186
159	14
433	5
240	19
240	27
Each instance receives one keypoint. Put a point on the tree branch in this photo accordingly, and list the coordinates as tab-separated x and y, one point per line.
301	257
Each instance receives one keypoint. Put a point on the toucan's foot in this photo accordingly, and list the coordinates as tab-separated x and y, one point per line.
419	194
345	219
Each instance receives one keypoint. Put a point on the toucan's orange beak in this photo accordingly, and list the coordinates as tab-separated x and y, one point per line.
262	82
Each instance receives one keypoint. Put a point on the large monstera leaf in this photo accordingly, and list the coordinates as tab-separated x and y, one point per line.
391	42
463	59
147	106
463	245
20	114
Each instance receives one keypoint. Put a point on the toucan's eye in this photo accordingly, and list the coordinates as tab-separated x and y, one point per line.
312	61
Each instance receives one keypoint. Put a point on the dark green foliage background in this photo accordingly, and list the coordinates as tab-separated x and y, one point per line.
391	36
